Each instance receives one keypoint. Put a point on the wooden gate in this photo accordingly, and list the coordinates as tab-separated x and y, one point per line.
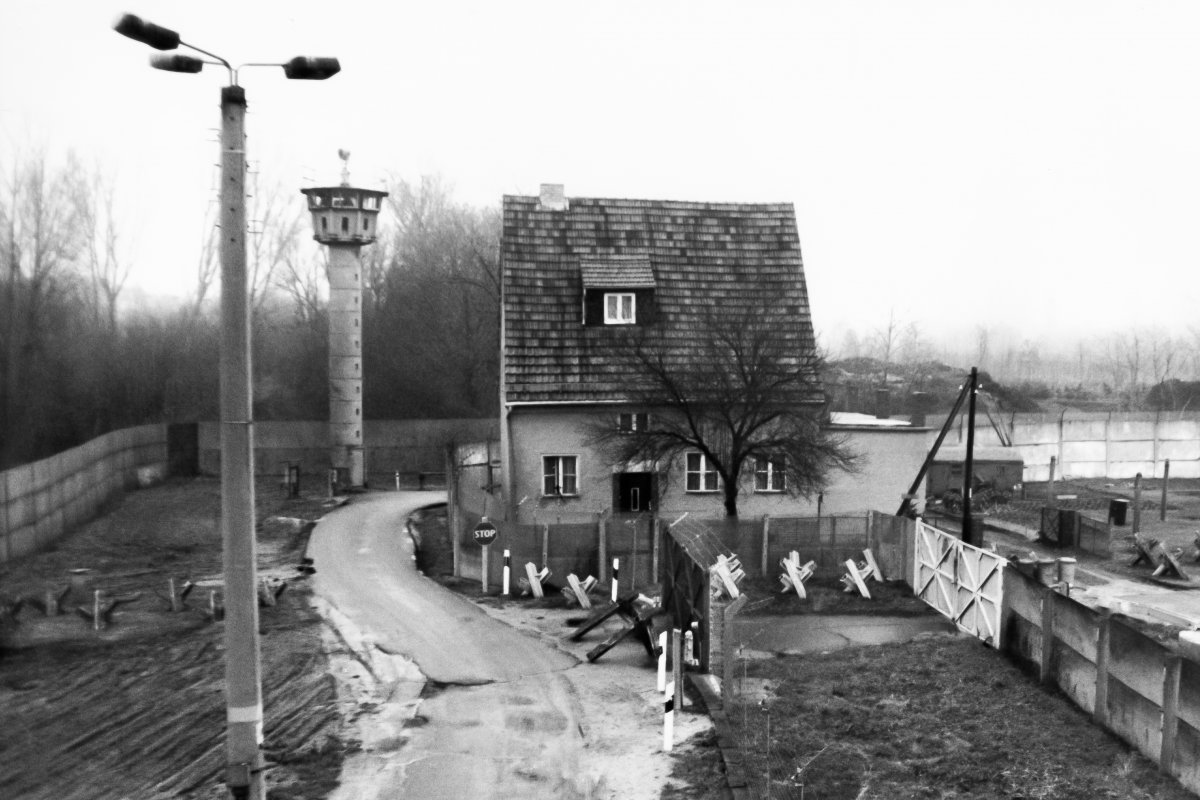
962	582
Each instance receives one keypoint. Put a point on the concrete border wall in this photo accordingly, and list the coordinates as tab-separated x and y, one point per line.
1097	445
1139	689
407	446
41	501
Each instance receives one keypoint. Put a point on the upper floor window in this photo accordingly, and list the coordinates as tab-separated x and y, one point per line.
769	475
701	474
632	423
620	308
560	476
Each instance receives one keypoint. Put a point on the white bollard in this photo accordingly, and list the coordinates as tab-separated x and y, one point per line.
669	717
507	572
662	661
616	569
397	480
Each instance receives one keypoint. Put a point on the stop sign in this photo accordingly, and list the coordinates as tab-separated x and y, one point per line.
485	533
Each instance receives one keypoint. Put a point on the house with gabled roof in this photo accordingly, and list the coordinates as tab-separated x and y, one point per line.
578	274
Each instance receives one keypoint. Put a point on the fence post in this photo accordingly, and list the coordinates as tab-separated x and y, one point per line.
766	540
545	544
1170	709
602	569
655	533
1050	483
1100	711
1044	669
1162	506
1137	503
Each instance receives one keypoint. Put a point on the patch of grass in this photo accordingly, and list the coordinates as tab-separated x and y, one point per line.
934	718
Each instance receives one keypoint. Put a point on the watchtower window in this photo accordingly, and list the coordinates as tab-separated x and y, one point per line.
345	224
324	223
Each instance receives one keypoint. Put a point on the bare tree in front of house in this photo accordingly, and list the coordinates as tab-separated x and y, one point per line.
732	396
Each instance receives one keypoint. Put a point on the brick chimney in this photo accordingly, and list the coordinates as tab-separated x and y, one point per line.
552	198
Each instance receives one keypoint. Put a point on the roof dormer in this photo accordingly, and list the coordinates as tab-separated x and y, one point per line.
617	290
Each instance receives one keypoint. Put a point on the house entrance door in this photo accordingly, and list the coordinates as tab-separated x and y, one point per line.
634	491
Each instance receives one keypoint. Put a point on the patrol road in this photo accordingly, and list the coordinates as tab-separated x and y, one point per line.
498	718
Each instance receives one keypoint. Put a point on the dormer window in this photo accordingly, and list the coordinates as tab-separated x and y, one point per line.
617	290
620	308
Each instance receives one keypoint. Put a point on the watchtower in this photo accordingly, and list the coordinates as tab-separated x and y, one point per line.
344	219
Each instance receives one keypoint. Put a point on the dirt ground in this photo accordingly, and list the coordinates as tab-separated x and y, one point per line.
137	709
1177	532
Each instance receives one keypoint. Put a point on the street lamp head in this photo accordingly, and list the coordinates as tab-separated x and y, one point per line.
176	62
145	32
310	68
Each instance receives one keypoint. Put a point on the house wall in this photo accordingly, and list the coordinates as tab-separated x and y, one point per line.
889	461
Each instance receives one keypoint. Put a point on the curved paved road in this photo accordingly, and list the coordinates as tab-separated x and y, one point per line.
498	717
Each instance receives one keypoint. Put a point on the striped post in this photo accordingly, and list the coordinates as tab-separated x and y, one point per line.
616	569
662	661
507	572
669	717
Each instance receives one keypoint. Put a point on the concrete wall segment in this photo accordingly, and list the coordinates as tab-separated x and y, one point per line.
1076	625
1137	661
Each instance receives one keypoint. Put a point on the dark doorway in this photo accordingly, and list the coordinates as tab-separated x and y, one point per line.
634	491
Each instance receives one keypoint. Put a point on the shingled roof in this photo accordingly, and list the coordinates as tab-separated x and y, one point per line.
700	258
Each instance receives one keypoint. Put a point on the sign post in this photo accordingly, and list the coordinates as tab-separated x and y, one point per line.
485	533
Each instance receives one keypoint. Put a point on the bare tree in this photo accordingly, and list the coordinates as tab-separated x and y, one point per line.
886	340
738	393
982	337
40	234
436	272
276	222
105	264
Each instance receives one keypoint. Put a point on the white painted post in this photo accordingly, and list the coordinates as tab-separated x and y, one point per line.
662	661
669	717
688	646
483	573
96	610
507	572
616	569
397	480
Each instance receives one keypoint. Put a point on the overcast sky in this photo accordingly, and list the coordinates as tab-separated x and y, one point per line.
1034	165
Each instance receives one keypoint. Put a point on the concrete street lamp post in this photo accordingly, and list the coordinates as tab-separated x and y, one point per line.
243	679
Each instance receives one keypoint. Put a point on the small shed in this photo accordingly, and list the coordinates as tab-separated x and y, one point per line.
1001	467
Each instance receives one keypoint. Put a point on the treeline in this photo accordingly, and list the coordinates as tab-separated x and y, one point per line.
73	365
1141	368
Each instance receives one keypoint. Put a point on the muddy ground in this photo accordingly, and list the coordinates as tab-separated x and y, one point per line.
138	710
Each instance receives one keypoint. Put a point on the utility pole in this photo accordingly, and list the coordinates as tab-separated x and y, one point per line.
243	670
244	762
968	532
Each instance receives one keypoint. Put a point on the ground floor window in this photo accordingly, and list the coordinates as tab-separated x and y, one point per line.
701	474
559	475
768	475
